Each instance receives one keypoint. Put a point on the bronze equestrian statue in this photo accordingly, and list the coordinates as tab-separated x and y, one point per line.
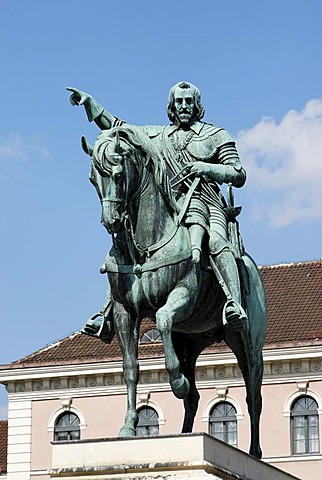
177	253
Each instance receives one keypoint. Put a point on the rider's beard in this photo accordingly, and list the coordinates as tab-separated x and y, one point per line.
184	117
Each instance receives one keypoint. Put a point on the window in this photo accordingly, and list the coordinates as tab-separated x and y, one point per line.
151	336
148	424
67	427
305	426
223	423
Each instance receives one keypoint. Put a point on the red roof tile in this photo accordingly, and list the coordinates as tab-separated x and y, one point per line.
294	317
79	348
3	445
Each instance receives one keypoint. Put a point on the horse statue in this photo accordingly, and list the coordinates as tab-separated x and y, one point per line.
151	274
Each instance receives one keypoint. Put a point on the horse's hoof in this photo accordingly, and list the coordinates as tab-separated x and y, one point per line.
256	452
180	387
126	432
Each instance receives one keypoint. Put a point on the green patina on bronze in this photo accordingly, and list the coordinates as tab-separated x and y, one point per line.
177	253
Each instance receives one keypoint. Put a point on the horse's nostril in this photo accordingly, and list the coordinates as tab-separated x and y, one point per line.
113	226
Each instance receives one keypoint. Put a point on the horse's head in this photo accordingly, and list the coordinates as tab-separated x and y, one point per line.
115	174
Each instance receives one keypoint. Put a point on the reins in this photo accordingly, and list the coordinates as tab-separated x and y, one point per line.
189	174
128	224
147	251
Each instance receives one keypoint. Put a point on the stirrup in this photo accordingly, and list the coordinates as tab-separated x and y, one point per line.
105	331
91	327
239	323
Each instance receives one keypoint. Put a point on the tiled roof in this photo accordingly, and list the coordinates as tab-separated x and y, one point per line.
294	302
3	445
294	318
79	348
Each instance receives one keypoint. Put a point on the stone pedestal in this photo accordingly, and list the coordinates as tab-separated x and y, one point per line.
174	457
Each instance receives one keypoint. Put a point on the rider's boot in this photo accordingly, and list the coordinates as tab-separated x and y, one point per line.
226	268
101	324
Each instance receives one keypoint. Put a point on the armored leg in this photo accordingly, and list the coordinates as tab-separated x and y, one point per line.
225	268
196	233
197	223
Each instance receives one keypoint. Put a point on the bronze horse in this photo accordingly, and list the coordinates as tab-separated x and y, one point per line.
151	274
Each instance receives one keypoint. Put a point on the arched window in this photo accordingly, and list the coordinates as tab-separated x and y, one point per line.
305	426
148	424
67	427
223	423
151	336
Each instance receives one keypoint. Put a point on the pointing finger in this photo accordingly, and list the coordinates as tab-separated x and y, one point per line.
72	89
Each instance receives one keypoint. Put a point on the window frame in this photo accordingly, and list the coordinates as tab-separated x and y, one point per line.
68	428
307	428
224	420
148	423
149	340
57	413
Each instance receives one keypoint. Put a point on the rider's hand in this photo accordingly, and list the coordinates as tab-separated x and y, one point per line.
199	168
78	97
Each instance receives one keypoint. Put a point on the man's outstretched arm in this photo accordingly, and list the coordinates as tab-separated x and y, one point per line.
95	112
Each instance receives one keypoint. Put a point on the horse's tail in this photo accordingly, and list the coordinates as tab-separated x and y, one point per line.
254	300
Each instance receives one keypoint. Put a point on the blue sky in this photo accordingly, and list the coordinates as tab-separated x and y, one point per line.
259	68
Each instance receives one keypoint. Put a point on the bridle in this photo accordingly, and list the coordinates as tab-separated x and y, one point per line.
125	202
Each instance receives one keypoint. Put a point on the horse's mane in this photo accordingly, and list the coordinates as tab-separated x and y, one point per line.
142	152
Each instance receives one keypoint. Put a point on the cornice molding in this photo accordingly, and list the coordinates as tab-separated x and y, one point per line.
280	366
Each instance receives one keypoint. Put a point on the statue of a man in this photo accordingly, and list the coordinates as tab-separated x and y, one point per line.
204	151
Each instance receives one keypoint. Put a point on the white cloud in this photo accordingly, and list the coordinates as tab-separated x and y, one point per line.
284	165
12	148
15	148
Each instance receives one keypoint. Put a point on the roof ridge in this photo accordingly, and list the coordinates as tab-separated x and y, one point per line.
291	264
49	346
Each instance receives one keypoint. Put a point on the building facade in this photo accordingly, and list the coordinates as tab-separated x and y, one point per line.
74	389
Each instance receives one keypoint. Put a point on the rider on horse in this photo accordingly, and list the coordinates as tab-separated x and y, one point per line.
193	149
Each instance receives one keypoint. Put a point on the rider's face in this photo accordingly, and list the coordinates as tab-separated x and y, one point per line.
184	105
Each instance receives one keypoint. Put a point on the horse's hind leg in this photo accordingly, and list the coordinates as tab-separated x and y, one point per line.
188	350
190	401
253	374
127	333
247	346
250	362
254	403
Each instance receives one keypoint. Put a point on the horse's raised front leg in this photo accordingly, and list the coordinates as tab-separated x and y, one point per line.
177	303
127	332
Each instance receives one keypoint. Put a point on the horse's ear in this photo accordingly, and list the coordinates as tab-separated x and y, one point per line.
86	146
117	143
